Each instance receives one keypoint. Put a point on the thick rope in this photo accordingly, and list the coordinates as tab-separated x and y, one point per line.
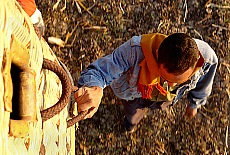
67	88
77	118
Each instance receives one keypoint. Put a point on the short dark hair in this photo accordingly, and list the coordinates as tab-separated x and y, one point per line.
177	53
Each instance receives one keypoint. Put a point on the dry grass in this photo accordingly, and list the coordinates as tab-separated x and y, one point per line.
161	132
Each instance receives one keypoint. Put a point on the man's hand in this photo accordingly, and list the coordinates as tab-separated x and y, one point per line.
190	112
88	98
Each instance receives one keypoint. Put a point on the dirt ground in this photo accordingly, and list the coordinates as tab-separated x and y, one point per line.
160	132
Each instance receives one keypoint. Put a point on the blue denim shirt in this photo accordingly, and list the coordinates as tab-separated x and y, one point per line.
120	69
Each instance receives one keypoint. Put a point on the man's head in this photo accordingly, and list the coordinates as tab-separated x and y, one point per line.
177	56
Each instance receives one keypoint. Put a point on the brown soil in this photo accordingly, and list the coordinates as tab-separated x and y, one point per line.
160	132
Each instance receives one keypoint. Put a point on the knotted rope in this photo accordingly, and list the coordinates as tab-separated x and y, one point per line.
67	88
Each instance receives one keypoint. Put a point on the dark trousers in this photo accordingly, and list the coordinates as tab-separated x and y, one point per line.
136	109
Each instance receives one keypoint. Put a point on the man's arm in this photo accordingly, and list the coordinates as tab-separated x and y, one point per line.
101	73
199	95
202	91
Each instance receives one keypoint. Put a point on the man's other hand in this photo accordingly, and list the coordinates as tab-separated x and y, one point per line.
190	112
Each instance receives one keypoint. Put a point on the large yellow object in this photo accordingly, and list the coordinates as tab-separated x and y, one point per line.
39	89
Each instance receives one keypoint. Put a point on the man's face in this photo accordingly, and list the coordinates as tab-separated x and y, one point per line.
174	79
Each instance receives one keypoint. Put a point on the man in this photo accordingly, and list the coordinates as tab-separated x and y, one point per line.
150	71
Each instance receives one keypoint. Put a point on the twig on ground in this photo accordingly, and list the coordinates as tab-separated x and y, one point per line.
228	92
204	19
161	147
122	10
61	43
198	34
186	10
89	8
78	7
70	55
210	39
163	25
211	111
173	112
226	141
159	26
70	45
219	69
226	65
159	127
212	96
210	118
64	7
217	6
81	59
71	33
96	28
56	5
80	3
221	27
222	53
